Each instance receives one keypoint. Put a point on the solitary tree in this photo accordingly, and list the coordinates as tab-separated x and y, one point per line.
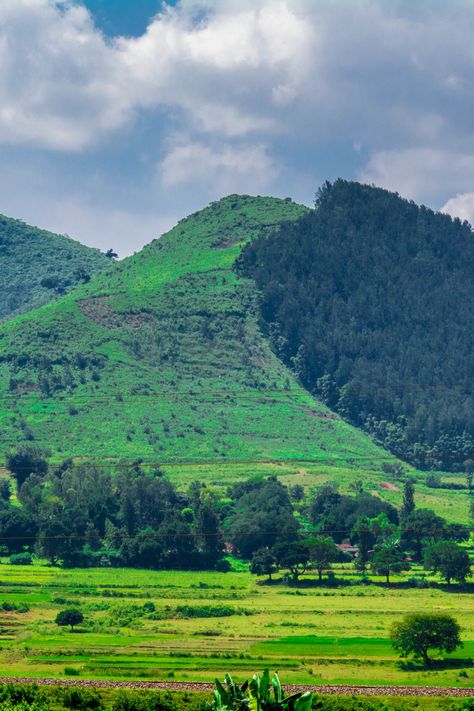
408	505
264	563
362	534
449	560
293	555
417	633
388	558
323	551
69	617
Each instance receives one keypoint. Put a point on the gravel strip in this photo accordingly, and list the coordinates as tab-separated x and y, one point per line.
204	686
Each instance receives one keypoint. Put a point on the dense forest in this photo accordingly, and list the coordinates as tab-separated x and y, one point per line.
38	266
370	299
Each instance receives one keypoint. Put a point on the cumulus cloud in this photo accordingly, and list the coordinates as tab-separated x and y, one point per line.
461	206
228	169
59	87
262	93
63	86
417	172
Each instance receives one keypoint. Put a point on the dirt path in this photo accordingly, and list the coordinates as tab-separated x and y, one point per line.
203	686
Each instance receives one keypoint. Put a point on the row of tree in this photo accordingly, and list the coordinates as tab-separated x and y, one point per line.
84	515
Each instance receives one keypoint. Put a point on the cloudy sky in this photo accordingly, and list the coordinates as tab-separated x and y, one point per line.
117	118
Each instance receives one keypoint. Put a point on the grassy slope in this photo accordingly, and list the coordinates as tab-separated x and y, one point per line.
172	365
185	374
29	255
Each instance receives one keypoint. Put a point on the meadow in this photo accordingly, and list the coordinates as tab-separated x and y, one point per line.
199	625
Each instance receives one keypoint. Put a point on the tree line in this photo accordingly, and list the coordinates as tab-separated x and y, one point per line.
369	299
83	515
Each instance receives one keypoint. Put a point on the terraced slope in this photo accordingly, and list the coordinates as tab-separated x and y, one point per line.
161	358
37	266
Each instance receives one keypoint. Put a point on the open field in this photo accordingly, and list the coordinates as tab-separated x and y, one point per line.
201	625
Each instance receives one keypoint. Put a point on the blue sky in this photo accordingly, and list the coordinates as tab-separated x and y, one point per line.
124	17
118	118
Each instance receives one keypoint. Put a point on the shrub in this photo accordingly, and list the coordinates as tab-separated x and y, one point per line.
21	559
72	671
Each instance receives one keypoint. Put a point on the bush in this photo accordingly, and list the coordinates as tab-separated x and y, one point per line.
83	699
21	559
14	607
72	671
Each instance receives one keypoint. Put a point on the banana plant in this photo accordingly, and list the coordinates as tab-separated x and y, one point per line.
232	698
261	694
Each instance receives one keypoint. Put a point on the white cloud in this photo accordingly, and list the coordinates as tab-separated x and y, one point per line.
59	87
227	169
417	172
256	87
461	206
63	86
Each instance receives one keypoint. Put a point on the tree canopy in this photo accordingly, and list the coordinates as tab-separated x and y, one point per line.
369	298
417	633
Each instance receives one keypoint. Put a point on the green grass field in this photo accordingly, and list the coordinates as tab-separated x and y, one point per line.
310	634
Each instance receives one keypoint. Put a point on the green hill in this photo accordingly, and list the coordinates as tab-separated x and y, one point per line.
37	266
369	297
161	357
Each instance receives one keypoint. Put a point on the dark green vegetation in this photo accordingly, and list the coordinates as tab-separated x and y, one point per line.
84	515
418	633
161	358
26	697
37	266
369	299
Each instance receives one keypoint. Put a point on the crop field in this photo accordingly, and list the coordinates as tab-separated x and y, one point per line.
198	625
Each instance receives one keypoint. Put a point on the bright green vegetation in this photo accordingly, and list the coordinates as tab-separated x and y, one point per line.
369	298
161	358
313	634
37	266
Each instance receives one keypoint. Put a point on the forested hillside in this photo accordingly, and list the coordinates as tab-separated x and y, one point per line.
161	358
369	298
37	266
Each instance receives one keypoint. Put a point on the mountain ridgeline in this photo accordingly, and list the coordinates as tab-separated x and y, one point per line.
38	266
369	299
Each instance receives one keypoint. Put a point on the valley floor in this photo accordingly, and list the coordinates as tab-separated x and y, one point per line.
188	626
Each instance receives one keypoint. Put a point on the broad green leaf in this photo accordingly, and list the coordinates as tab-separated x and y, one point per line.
277	688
